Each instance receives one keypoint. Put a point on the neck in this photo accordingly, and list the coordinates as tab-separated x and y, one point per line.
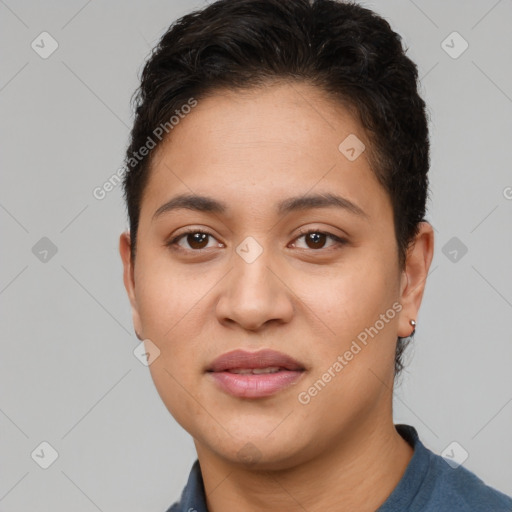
358	473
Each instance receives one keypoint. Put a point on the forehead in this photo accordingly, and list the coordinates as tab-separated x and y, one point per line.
259	146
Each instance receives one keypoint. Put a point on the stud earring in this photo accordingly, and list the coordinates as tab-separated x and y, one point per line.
413	323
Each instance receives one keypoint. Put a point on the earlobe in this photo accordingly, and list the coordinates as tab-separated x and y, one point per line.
419	258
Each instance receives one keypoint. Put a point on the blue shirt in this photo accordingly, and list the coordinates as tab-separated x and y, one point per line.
429	484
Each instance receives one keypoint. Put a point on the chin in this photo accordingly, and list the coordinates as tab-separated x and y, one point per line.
258	452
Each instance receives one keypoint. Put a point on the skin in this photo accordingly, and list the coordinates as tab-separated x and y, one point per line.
251	150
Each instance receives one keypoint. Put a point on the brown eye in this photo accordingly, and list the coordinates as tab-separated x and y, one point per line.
316	239
195	241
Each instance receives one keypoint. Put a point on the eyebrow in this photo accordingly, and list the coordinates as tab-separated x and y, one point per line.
299	203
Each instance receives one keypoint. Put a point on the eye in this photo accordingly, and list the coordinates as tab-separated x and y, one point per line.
315	239
195	238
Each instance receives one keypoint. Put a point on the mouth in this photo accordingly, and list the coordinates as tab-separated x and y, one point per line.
255	374
256	371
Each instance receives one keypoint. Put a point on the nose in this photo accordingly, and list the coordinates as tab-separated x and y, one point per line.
255	294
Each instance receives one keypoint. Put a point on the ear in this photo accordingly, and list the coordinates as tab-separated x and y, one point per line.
414	276
128	278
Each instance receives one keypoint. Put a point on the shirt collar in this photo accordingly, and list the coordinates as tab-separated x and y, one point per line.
193	498
405	492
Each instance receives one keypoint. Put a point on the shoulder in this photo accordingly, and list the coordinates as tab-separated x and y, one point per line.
432	484
459	489
175	507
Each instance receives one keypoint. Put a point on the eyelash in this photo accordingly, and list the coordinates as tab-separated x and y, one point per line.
173	243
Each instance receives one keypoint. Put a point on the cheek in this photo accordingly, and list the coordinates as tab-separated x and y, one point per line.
351	306
174	304
170	312
354	362
347	299
176	385
167	296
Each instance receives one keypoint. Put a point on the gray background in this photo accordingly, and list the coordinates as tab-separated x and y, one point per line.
68	375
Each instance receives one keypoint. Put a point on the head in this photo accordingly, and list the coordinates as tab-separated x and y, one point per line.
256	105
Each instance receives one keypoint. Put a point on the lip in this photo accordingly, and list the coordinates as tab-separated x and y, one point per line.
254	385
241	359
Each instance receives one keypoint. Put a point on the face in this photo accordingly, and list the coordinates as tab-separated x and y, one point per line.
248	277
